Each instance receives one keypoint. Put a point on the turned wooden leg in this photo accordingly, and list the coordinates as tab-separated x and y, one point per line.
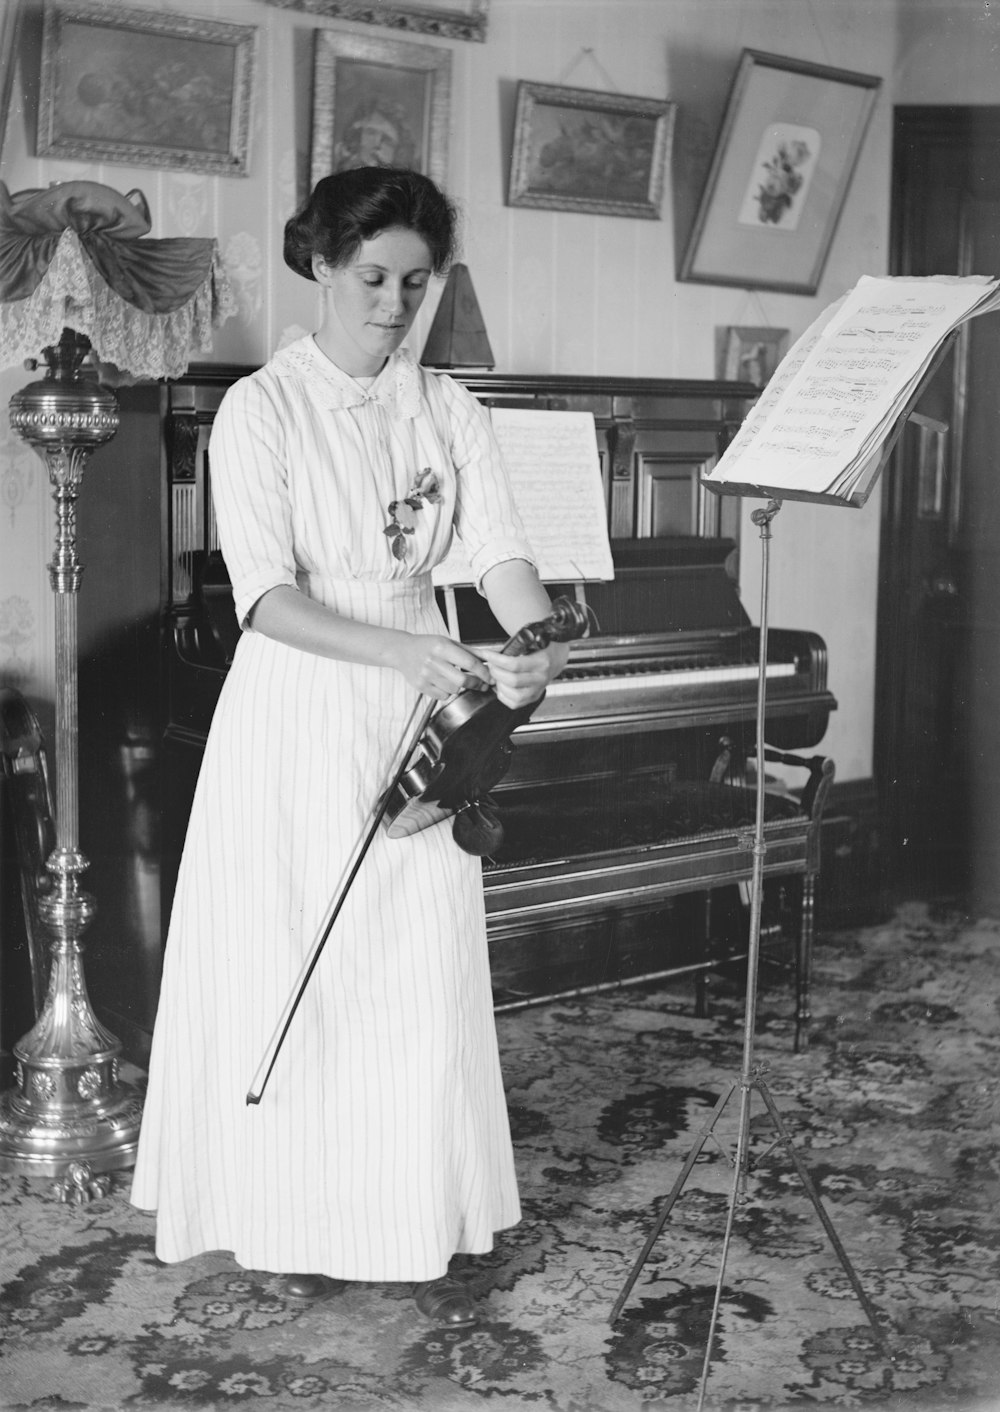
803	961
701	977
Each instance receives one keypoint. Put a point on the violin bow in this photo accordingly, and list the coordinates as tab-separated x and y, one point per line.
422	712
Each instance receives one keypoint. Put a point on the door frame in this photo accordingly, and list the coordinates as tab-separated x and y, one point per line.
915	130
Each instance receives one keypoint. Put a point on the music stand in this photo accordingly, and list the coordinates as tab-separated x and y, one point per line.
751	1078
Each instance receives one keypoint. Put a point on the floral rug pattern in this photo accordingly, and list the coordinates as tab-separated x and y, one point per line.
894	1112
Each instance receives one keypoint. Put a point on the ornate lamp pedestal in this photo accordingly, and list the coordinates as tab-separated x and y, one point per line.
69	1115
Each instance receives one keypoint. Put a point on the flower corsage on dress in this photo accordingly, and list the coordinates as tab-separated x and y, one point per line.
425	490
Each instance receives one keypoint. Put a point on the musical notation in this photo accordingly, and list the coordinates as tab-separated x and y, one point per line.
818	429
555	474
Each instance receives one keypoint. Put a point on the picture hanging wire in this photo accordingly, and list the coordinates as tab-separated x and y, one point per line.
819	33
752	298
585	54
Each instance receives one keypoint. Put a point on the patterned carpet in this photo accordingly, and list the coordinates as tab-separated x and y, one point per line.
894	1110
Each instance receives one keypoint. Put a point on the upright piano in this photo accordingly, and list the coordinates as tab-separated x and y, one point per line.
626	807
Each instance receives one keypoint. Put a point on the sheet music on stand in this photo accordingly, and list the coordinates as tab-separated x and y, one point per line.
555	474
824	426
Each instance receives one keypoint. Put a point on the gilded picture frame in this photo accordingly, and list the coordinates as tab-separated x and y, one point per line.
749	354
789	143
379	102
10	26
577	149
447	19
147	88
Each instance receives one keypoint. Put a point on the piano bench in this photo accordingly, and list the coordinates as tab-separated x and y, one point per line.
560	886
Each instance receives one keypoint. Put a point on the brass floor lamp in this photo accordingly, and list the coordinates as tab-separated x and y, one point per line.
70	1115
78	276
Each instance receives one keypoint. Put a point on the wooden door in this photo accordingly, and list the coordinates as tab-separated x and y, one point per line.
938	680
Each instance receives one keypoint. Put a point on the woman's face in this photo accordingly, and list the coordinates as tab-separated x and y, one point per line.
371	302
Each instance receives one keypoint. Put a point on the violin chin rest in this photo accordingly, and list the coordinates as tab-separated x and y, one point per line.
477	829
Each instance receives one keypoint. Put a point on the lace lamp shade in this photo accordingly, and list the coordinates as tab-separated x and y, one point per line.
77	255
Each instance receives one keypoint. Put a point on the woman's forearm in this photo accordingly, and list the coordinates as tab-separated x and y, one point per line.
433	663
516	594
517	597
288	616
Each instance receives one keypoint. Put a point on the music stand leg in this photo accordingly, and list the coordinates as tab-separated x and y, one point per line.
821	1212
678	1187
750	1075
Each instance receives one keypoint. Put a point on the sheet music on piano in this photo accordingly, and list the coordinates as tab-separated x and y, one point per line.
555	474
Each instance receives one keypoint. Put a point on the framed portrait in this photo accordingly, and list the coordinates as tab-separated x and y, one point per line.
449	19
579	150
745	354
147	88
790	139
379	103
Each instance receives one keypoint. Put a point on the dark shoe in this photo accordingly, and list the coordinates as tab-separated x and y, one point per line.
447	1302
311	1286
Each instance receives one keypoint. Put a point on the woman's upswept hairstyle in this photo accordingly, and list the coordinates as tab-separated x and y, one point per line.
353	206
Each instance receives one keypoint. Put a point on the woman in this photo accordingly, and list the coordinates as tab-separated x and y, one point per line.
380	1147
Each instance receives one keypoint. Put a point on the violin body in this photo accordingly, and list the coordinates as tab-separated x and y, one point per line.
465	749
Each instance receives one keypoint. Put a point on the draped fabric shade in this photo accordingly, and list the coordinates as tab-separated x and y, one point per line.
77	254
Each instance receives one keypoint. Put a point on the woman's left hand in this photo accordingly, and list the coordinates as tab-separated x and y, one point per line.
521	680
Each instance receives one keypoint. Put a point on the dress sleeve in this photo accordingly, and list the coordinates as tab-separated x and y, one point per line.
249	474
486	517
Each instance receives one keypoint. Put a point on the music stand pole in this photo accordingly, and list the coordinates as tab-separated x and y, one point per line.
751	1074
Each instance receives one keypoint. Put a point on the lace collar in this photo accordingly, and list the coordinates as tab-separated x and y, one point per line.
397	387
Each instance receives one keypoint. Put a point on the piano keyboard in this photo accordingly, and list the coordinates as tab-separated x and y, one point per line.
569	685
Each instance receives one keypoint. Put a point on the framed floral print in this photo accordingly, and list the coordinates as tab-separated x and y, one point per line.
790	139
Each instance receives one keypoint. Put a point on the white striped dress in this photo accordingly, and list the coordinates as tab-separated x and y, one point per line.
381	1144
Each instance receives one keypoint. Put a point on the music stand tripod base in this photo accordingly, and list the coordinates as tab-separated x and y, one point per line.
751	1075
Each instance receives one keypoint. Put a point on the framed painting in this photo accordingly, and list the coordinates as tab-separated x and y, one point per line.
147	88
449	19
789	143
749	354
10	24
580	150
379	103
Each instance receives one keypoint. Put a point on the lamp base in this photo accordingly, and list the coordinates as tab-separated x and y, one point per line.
80	1151
69	1116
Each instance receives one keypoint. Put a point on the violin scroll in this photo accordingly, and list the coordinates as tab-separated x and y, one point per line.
568	620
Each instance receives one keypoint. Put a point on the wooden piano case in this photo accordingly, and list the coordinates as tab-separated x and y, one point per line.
626	809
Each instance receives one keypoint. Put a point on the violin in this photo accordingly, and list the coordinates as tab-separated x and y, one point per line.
465	749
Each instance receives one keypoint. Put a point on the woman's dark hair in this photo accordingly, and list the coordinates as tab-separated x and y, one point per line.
352	206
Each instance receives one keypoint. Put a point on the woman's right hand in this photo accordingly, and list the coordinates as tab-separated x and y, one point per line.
440	667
